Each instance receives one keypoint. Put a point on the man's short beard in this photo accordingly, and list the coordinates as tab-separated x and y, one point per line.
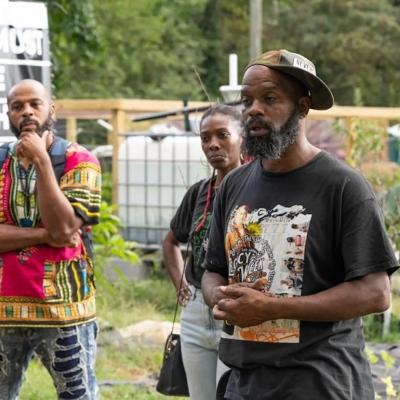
273	145
47	126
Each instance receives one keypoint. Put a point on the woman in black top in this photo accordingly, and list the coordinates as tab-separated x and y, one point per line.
221	139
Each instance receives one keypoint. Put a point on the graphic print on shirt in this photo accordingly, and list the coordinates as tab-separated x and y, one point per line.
200	239
270	244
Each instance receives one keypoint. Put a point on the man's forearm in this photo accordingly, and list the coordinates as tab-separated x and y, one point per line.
210	284
366	295
16	238
246	307
56	212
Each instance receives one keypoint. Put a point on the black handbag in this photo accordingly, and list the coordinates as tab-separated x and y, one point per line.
172	380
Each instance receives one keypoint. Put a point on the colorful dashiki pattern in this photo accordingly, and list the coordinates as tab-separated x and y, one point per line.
44	286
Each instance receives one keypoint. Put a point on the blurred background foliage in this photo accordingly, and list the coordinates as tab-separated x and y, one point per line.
366	155
152	48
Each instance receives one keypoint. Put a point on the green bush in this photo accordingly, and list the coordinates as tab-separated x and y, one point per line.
106	187
108	242
373	329
385	179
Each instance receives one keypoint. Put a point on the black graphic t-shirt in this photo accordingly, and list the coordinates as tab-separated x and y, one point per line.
184	223
306	231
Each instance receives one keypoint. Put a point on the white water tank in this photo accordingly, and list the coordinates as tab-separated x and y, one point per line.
154	173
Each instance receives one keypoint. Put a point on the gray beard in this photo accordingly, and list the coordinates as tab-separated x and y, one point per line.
276	143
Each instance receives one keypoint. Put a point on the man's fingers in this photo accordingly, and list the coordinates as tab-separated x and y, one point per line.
184	295
227	305
218	313
45	134
233	291
26	133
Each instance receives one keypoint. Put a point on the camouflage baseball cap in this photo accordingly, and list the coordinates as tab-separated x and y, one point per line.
300	68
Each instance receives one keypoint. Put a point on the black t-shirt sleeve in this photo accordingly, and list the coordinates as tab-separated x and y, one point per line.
365	245
215	259
181	222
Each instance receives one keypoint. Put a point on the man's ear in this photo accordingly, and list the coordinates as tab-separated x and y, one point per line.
53	110
304	105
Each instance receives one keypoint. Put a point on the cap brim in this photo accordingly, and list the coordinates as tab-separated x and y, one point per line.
321	95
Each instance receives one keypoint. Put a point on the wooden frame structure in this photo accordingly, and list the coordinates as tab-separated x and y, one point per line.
120	112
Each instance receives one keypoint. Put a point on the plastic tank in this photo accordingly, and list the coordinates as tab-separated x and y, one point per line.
154	175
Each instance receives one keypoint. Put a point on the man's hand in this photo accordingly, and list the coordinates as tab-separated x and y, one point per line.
73	241
31	146
244	304
219	292
184	294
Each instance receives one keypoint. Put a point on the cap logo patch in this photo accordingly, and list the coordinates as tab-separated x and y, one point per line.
299	63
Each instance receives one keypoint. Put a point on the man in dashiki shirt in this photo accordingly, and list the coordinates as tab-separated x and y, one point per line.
47	303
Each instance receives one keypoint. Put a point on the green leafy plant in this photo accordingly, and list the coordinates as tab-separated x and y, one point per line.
367	144
106	187
385	179
391	209
365	154
389	362
108	242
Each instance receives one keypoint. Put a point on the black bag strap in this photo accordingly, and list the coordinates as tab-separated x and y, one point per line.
3	153
58	156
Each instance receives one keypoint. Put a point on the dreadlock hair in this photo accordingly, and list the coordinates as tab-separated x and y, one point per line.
235	116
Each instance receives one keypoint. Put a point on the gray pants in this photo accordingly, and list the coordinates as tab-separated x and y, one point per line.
200	335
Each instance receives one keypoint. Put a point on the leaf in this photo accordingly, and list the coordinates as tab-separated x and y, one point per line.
390	390
373	359
387	359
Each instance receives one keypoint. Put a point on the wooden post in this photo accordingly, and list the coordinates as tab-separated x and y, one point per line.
71	131
118	121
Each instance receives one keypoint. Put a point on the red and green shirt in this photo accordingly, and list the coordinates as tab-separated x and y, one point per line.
44	286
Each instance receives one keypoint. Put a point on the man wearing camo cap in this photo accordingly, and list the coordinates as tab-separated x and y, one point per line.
311	257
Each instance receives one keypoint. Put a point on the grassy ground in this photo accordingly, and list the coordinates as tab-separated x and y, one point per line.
113	365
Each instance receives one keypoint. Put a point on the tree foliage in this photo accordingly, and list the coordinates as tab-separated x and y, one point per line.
156	48
353	44
145	49
74	41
